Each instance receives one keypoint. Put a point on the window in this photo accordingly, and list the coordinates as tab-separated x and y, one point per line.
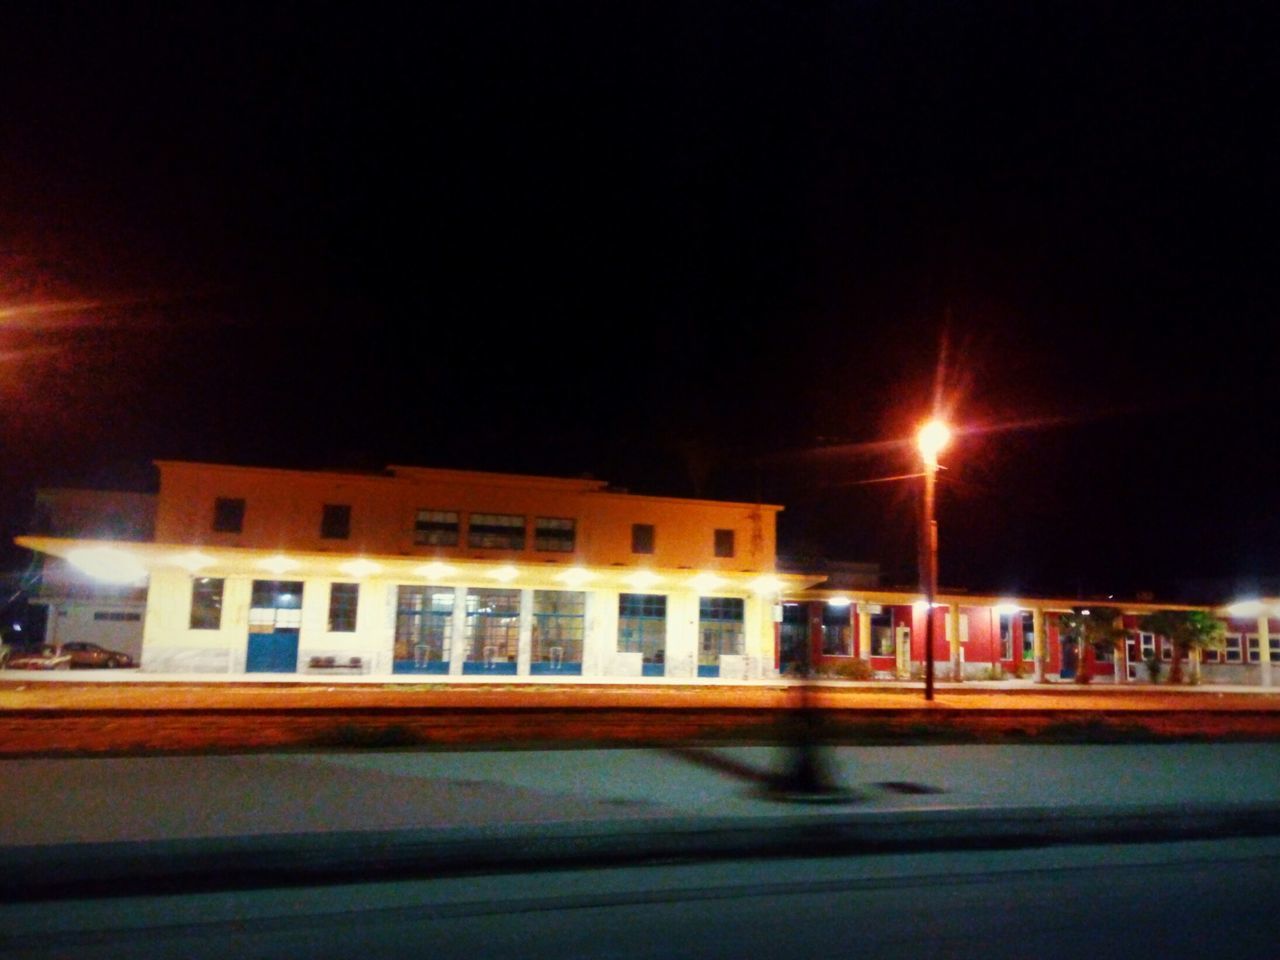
882	640
794	638
493	626
1254	649
642	626
642	538
206	603
1006	636
1274	647
558	624
422	627
1166	649
335	521
116	616
1232	653
1146	646
837	630
275	605
436	528
724	543
228	515
1028	637
343	601
495	531
719	629
553	534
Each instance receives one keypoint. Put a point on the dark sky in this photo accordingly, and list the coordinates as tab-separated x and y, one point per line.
704	249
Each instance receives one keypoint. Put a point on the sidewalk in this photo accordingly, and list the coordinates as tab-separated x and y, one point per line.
76	826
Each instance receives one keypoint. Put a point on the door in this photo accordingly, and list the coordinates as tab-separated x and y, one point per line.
275	619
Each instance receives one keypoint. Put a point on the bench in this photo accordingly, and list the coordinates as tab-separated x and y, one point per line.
332	664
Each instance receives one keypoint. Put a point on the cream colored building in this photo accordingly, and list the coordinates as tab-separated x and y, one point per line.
422	571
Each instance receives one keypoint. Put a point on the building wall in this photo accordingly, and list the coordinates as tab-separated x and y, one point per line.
283	511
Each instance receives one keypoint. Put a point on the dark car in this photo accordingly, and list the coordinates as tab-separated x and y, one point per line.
84	655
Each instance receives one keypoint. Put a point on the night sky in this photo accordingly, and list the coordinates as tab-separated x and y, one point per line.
702	249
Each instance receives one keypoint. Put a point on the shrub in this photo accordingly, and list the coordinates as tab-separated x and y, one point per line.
1154	668
853	670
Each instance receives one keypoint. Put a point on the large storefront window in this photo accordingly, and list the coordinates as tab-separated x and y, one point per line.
837	630
423	615
493	631
642	628
719	632
558	627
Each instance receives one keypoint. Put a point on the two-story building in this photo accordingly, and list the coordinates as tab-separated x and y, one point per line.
423	571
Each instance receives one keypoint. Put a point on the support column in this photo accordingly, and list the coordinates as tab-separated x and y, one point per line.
682	634
1264	650
524	641
458	632
1039	643
953	642
864	631
600	638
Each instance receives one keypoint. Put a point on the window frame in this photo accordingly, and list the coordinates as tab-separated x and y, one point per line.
431	532
345	610
497	535
644	539
548	534
724	543
335	521
204	624
224	510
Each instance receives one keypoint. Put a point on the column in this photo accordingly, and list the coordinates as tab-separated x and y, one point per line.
524	643
458	632
1040	642
600	634
1264	650
682	634
864	631
953	642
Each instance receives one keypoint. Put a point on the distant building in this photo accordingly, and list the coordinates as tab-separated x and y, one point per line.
78	606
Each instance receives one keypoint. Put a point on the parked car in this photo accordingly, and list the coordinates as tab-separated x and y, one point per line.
45	657
85	654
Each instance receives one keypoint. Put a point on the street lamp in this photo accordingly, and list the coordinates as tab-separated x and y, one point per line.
932	438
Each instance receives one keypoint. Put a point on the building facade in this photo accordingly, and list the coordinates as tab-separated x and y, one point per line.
424	572
419	571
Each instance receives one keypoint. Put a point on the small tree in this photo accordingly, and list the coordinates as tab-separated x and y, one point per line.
1092	627
1187	630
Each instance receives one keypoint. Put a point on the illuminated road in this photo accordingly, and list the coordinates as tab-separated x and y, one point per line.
1184	901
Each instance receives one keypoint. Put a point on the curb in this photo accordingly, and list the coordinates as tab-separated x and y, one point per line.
80	871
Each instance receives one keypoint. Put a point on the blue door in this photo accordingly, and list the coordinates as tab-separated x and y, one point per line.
275	652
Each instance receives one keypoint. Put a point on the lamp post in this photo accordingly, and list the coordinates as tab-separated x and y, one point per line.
931	439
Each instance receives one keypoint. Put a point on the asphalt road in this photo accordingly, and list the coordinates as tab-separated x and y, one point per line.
1189	900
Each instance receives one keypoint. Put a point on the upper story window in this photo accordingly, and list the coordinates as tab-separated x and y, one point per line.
642	537
335	521
724	543
436	528
495	531
228	515
553	533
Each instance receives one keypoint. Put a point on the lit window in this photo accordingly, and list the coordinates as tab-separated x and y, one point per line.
492	627
882	638
642	626
837	630
555	534
558	627
206	603
335	521
724	543
228	515
344	598
642	538
720	630
495	531
436	528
